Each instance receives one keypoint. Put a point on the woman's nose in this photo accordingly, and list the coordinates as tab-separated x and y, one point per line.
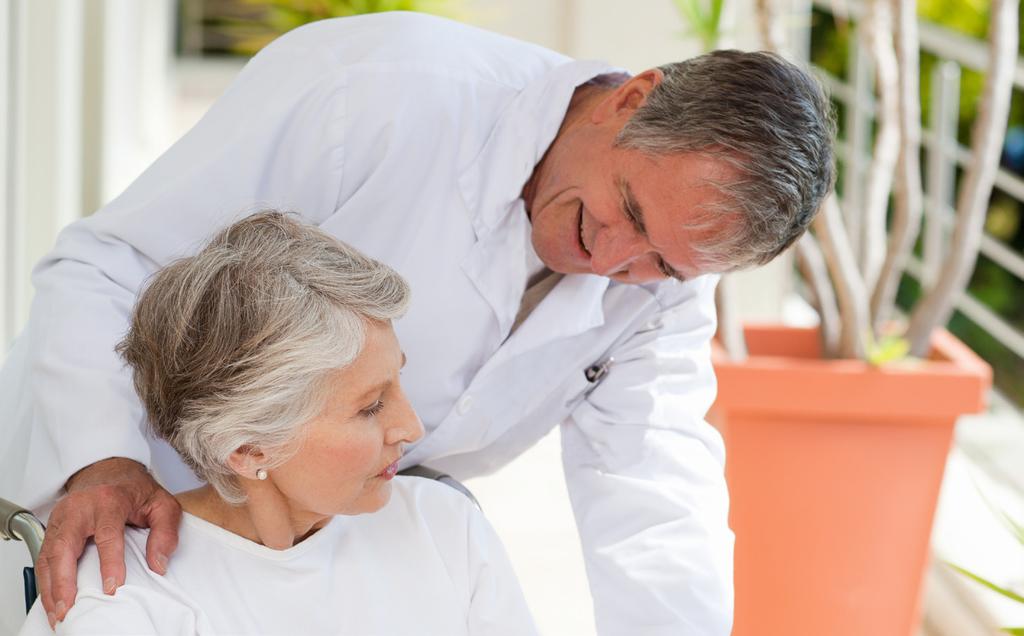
406	426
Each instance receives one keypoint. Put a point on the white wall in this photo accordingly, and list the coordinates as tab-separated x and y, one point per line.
634	35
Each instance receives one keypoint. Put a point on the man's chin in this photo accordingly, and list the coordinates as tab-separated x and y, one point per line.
564	266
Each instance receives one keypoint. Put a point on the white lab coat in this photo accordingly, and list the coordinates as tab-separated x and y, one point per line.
410	137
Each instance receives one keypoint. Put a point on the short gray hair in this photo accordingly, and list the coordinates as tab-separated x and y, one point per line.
768	119
232	347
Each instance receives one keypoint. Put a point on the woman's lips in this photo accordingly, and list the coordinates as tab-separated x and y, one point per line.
388	473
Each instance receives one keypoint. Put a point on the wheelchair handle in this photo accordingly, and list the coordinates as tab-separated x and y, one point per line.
20	524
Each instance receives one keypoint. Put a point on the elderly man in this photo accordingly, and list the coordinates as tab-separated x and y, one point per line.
560	224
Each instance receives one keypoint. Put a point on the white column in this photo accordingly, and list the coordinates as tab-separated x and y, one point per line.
127	93
45	136
7	273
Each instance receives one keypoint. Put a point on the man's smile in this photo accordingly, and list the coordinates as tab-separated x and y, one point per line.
579	229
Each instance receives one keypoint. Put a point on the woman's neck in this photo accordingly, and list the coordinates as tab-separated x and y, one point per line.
267	520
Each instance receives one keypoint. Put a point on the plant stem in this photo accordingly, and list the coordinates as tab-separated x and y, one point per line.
853	299
906	220
972	204
815	273
877	35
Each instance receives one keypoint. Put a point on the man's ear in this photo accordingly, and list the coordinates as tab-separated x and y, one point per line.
246	460
622	102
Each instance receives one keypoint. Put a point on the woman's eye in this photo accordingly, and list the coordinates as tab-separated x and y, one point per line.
373	409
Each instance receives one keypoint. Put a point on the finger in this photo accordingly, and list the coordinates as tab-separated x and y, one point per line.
54	594
42	568
163	518
109	539
63	562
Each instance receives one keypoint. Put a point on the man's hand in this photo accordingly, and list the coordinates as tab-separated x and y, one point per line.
101	500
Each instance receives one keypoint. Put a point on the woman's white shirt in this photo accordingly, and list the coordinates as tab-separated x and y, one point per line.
427	563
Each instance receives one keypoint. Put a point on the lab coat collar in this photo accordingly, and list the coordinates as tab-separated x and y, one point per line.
519	140
496	264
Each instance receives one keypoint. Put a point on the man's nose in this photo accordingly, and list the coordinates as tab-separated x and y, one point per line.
615	250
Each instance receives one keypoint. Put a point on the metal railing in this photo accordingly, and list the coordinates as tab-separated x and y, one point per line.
944	155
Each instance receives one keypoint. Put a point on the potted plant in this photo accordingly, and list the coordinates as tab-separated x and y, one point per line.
837	442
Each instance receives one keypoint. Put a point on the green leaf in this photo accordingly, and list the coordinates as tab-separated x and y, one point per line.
888	349
1015	527
689	10
716	13
703	18
990	585
1010	522
1014	631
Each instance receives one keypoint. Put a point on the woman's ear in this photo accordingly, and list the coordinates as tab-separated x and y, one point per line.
622	102
246	460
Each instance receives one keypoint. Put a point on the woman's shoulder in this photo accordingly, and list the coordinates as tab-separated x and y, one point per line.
447	517
144	604
430	498
428	489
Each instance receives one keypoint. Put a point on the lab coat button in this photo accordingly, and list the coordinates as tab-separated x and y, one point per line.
464	405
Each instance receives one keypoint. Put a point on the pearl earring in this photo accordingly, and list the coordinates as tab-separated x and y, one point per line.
261	474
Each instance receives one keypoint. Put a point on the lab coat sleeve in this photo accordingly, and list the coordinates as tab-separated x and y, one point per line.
645	475
273	140
497	605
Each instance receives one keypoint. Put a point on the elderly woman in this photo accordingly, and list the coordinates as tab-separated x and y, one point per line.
268	361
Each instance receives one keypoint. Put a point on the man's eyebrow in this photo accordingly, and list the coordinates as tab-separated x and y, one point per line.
630	207
632	210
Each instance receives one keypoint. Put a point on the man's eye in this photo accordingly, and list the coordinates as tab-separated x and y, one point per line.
667	271
663	268
634	221
373	409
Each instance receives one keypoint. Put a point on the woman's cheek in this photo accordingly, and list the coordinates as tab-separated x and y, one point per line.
353	456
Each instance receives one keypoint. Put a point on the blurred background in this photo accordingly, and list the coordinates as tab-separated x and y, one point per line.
91	91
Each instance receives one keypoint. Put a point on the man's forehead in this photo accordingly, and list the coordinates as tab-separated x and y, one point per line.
678	196
685	180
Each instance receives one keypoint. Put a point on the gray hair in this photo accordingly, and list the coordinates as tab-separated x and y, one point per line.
232	347
765	117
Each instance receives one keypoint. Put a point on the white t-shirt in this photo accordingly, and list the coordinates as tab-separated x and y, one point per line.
428	563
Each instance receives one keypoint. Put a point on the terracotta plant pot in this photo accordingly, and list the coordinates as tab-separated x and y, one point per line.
834	469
